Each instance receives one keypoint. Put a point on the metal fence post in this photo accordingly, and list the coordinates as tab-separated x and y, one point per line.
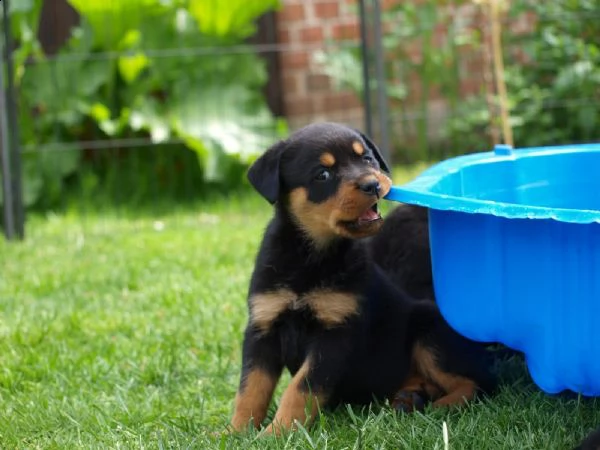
382	101
364	50
372	52
8	222
14	216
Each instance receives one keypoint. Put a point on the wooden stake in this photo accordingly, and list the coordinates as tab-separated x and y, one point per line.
499	71
488	74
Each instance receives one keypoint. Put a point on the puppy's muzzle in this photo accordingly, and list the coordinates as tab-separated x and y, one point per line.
370	187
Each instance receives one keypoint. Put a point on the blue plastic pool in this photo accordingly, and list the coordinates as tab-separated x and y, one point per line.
515	247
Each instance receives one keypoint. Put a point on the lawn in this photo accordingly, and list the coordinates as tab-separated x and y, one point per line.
123	330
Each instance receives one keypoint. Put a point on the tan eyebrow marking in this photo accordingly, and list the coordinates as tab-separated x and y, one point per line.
358	148
327	159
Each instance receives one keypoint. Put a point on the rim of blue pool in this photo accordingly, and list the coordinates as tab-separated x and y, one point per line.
427	188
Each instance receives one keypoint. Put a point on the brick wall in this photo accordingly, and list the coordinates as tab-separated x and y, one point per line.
304	27
308	94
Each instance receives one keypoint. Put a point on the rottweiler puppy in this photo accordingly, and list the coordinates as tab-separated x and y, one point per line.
401	249
322	309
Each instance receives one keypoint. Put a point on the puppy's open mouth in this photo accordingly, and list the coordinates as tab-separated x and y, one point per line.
370	216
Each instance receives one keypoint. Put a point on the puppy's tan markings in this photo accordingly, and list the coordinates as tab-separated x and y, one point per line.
316	219
418	383
252	400
327	159
298	403
457	390
358	148
385	182
321	221
409	396
370	177
266	307
330	307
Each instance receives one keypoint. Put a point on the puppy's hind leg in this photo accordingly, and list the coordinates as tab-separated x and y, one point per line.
458	378
461	368
413	394
453	389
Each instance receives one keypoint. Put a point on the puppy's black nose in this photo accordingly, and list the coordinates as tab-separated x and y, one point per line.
371	187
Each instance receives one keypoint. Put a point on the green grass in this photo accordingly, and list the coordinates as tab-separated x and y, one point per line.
124	331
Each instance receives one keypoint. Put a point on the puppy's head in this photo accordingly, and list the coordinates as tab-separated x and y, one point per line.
328	177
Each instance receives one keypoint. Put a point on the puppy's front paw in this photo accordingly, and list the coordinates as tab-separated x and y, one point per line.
278	429
408	401
272	430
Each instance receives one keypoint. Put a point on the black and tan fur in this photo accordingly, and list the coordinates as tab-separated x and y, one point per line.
401	249
321	308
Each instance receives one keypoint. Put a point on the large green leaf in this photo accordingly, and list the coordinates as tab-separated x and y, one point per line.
220	123
42	174
150	115
156	83
64	90
112	19
229	19
25	19
56	94
223	121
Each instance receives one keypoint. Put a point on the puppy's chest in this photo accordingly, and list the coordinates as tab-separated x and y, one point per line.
290	279
329	307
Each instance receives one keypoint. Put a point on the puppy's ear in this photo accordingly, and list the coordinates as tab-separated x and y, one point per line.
264	172
376	152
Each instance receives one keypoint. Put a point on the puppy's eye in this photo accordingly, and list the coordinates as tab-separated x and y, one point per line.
323	175
368	159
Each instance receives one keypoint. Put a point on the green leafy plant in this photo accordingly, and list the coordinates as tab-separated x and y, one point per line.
166	70
552	74
553	83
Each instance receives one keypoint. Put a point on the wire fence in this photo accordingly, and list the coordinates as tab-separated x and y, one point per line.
155	103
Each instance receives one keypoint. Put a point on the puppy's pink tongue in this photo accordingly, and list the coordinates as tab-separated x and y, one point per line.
368	216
